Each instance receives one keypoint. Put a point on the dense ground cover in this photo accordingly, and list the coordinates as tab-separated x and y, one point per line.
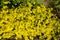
29	20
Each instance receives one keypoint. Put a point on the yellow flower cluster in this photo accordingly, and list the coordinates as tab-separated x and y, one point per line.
28	22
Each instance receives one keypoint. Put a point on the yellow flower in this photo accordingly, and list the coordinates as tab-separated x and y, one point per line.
29	4
0	37
31	38
26	38
4	7
28	21
7	35
6	2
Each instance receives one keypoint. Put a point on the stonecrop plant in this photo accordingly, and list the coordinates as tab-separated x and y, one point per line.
28	22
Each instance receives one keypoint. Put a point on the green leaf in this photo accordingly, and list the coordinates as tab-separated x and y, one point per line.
58	6
18	1
40	1
1	4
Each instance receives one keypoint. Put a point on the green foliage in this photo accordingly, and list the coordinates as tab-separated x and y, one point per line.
23	2
3	2
40	1
55	4
16	1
